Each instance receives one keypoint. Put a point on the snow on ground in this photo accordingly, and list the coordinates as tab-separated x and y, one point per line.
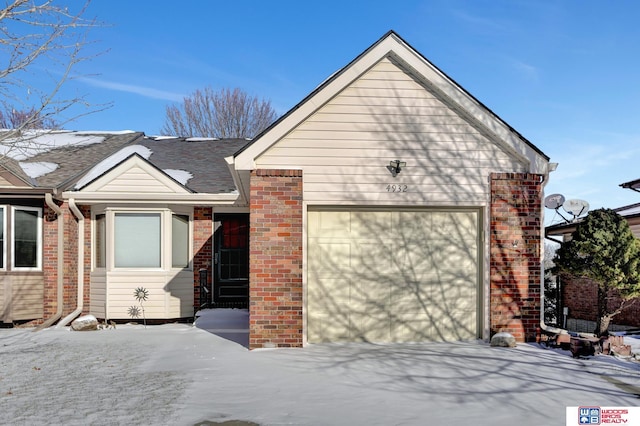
179	374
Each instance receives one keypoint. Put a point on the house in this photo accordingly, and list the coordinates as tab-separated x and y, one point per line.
579	297
389	205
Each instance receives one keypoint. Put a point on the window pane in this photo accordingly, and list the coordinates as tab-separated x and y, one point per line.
1	237
137	240
101	242
180	242
25	238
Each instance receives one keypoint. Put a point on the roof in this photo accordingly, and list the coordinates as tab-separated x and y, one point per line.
630	212
60	159
402	49
634	184
204	159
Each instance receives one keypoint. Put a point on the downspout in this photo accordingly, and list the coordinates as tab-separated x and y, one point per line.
79	304
547	329
60	300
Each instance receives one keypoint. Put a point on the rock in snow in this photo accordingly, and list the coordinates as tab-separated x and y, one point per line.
85	323
504	340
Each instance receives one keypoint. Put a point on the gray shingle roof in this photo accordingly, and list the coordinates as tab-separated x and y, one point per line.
203	159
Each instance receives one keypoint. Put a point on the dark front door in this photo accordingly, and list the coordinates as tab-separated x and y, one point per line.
231	261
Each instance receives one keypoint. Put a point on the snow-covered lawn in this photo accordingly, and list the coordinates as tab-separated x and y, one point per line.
178	374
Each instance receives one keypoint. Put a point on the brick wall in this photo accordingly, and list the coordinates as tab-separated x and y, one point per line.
275	293
70	270
202	248
580	295
50	261
515	243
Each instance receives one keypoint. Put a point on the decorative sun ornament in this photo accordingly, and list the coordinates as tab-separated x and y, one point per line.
141	294
134	312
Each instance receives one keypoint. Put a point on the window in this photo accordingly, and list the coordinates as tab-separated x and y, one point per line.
26	237
2	250
137	239
101	241
180	241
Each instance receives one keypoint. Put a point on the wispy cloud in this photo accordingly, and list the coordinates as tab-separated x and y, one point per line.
148	92
480	22
528	71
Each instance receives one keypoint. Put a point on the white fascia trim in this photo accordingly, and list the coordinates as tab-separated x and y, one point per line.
191	199
237	180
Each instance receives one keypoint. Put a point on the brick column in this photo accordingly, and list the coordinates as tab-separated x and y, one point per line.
275	279
516	238
202	248
50	253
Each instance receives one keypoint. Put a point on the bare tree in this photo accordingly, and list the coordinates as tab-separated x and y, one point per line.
11	118
223	114
41	42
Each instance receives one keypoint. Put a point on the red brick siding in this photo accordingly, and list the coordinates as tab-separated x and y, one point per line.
515	274
580	295
70	269
50	261
202	248
275	293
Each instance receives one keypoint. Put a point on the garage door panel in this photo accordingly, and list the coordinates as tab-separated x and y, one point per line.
329	296
370	326
370	224
338	224
370	256
412	276
328	327
369	296
412	328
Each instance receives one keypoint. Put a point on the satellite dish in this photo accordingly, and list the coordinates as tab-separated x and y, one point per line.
576	207
553	201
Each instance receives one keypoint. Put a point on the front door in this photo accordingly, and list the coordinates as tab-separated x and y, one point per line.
231	261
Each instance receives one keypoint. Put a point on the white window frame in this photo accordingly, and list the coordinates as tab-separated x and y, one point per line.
38	266
4	237
166	237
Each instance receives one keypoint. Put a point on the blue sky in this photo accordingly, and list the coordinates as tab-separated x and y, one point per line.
563	73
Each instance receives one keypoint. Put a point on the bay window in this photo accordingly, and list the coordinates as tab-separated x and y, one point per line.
154	239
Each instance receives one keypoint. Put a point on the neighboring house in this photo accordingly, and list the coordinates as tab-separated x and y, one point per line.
389	205
580	296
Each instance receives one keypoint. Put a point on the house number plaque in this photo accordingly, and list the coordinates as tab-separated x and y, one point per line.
397	188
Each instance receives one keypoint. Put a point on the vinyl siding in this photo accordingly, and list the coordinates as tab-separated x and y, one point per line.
98	293
136	180
21	297
386	114
170	293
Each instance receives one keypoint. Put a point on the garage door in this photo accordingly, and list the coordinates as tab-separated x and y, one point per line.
392	276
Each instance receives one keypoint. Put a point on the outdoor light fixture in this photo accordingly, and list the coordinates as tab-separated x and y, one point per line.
395	166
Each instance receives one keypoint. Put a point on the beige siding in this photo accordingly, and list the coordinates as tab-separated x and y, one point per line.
98	293
21	297
136	180
4	182
170	293
345	146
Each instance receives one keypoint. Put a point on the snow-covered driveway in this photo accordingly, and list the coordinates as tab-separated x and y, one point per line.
178	374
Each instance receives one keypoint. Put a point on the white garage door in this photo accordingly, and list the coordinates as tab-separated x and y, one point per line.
392	276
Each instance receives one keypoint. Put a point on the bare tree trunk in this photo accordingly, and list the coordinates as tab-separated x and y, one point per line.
602	325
